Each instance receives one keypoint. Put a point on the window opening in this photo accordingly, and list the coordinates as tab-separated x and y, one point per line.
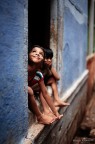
39	23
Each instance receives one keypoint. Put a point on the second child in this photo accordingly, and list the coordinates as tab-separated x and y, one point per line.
50	78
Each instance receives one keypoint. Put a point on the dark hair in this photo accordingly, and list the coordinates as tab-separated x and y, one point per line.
36	46
48	53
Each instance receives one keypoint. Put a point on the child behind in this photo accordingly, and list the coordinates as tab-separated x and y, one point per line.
50	78
36	58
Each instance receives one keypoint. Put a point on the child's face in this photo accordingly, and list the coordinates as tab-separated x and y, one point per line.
36	55
48	61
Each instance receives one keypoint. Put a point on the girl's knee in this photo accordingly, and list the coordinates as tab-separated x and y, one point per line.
30	91
52	80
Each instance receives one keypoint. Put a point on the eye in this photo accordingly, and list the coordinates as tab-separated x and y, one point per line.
34	51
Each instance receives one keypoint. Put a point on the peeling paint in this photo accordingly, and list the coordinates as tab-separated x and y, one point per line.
54	35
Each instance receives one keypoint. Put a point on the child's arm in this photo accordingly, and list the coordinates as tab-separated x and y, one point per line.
53	70
55	74
48	98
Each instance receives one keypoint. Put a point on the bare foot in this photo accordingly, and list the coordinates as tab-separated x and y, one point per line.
49	113
60	103
44	119
59	116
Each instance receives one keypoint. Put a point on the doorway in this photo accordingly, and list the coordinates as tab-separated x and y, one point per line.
39	23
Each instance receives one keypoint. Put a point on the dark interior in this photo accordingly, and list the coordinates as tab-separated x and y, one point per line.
39	23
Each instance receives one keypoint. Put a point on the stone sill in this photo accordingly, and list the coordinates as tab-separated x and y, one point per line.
35	129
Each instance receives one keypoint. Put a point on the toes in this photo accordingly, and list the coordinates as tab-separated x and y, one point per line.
60	116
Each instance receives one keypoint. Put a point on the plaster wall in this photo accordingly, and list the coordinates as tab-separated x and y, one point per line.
13	76
74	49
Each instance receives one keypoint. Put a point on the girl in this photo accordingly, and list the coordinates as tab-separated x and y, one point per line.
36	58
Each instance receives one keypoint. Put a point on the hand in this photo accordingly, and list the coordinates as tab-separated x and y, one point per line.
48	63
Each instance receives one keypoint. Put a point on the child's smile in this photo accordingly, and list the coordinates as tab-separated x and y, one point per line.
36	55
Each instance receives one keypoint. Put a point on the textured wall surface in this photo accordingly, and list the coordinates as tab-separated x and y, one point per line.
74	42
13	89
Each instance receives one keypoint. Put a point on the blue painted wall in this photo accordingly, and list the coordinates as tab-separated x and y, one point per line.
74	42
13	77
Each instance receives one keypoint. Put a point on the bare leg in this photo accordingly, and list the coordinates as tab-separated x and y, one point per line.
46	108
49	100
57	100
44	119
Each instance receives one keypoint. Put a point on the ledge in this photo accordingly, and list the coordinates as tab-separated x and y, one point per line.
36	129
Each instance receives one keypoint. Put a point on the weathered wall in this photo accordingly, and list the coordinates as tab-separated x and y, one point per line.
74	42
13	78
